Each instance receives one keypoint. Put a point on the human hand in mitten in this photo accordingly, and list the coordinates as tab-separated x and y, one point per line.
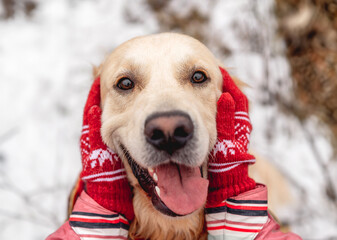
103	172
228	161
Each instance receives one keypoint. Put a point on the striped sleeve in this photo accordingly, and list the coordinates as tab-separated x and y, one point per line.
236	219
93	226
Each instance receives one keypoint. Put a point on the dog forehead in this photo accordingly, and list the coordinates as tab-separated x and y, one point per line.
162	48
158	57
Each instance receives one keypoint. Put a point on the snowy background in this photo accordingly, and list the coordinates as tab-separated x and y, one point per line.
47	50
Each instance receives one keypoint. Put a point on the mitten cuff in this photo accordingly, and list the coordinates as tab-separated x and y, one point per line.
106	195
218	195
228	179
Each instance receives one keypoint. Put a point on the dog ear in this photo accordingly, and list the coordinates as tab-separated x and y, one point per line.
241	85
96	70
74	194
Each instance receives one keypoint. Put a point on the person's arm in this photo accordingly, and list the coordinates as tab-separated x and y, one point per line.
228	216
65	232
104	178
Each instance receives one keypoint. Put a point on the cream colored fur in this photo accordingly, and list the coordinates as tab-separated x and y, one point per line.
161	66
158	64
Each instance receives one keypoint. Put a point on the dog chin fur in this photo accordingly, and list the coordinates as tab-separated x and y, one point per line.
149	223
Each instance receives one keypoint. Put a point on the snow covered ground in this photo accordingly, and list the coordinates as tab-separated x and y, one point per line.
45	73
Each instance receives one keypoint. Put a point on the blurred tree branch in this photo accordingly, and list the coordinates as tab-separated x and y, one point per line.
12	6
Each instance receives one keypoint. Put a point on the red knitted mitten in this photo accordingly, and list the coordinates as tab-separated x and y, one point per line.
103	172
228	161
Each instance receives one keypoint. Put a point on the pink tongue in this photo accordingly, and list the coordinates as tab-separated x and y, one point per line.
182	189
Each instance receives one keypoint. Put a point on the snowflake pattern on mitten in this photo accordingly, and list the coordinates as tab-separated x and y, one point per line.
231	148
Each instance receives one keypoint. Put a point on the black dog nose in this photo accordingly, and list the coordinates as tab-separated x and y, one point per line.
168	131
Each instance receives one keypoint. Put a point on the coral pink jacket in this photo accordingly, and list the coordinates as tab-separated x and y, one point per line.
242	217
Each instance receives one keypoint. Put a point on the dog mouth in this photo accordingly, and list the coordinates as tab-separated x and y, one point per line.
174	189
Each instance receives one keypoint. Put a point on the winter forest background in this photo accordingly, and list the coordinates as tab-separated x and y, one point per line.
286	50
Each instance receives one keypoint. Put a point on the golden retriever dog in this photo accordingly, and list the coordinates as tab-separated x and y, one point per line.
158	101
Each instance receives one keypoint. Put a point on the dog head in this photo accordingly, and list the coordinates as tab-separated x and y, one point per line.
158	97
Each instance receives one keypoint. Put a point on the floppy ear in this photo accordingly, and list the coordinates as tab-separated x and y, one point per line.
74	194
240	84
96	70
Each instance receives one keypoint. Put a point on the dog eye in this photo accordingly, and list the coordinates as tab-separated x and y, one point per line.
125	84
199	77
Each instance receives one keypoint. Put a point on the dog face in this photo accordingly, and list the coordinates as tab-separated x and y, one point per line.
158	97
